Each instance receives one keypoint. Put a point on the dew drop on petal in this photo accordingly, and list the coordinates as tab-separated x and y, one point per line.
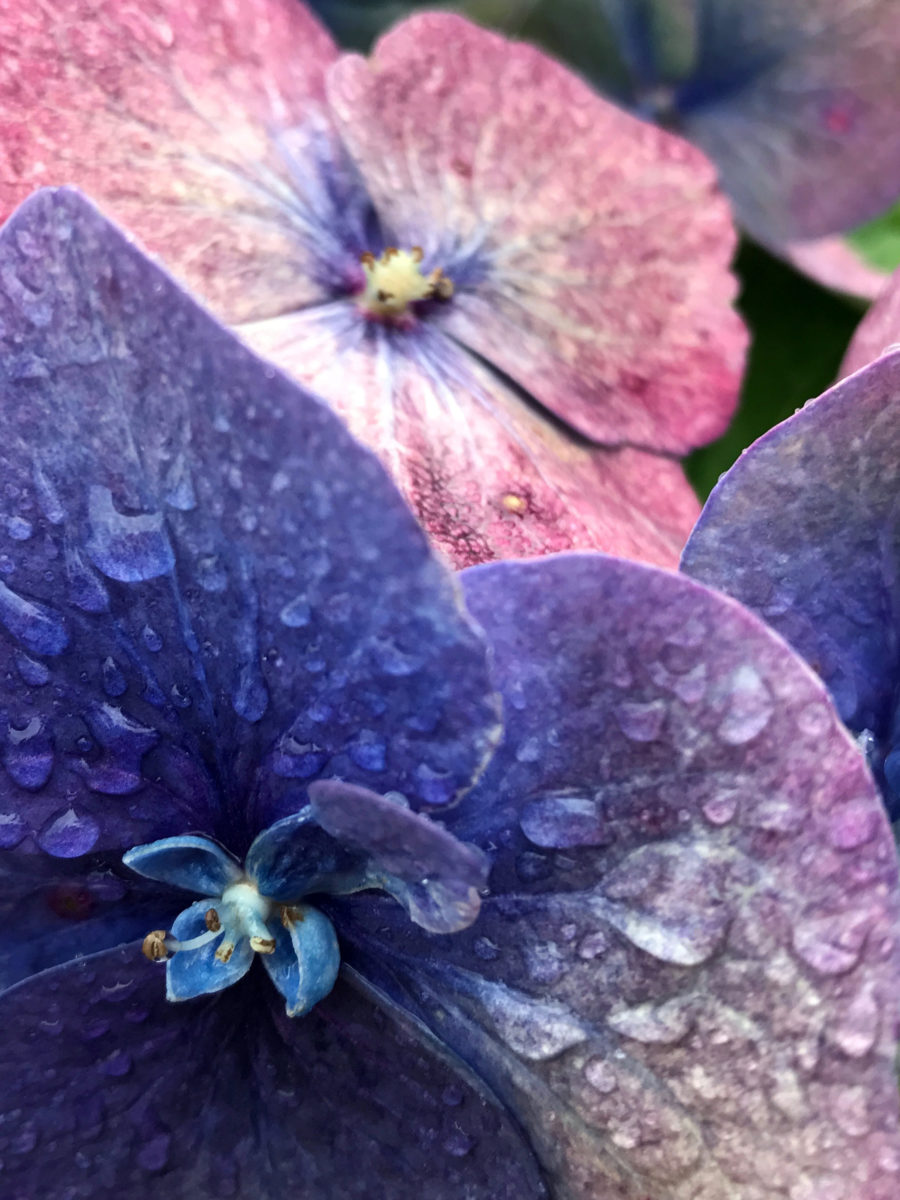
750	707
154	1154
32	672
856	1028
641	722
28	756
665	1023
127	547
19	529
38	627
601	1076
114	683
69	834
12	830
564	821
830	945
721	809
151	639
852	825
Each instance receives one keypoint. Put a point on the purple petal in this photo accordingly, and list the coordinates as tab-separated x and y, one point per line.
603	243
835	263
803	530
434	876
106	1086
152	437
193	863
684	980
487	475
306	959
802	123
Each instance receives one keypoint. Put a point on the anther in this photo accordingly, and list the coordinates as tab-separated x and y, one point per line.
213	924
395	281
262	945
154	946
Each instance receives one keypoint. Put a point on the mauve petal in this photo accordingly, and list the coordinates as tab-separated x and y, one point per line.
835	263
795	100
487	474
186	123
602	242
140	698
879	329
107	1090
803	529
684	979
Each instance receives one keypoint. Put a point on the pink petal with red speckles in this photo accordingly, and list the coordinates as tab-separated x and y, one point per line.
605	243
486	474
169	116
878	331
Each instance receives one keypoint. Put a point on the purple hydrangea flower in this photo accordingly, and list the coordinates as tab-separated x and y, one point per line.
803	529
636	947
517	294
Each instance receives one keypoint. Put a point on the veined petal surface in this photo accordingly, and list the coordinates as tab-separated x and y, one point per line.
684	978
601	246
488	475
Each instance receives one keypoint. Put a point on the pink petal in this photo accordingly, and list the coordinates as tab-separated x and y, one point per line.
486	475
878	331
608	294
833	262
167	114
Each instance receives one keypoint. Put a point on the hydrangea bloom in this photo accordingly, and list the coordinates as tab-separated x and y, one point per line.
624	951
878	331
803	529
794	100
561	280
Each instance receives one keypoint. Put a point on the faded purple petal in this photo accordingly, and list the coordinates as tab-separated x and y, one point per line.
140	697
804	530
835	263
593	249
684	979
107	1087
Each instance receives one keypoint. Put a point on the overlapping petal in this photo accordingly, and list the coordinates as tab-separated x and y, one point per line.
210	593
794	100
804	529
878	331
486	472
599	246
684	978
107	1088
608	298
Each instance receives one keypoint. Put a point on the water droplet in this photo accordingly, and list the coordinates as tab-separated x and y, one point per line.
563	821
86	589
749	707
394	661
532	867
251	699
28	756
850	1108
296	614
127	547
24	1140
601	1076
641	722
114	683
665	1023
368	751
179	486
179	698
116	1064
452	1096
831	945
47	496
855	1030
485	949
593	945
529	751
535	1029
211	574
38	628
154	1154
12	830
35	674
118	772
151	639
458	1143
19	529
721	809
69	834
852	824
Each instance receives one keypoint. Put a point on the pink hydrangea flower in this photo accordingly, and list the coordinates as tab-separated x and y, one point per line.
516	293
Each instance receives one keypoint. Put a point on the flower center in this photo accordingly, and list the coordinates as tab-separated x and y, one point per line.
395	281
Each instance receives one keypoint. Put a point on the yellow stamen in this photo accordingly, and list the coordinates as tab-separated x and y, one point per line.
394	282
